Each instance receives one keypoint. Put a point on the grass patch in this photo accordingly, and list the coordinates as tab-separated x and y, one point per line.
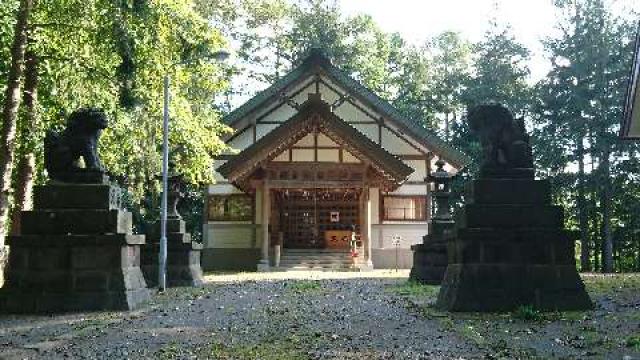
599	284
304	286
469	332
415	289
633	342
527	313
290	348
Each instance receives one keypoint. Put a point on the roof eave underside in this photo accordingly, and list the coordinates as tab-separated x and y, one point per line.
631	112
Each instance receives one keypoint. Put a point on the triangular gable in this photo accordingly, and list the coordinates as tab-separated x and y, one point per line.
315	114
316	62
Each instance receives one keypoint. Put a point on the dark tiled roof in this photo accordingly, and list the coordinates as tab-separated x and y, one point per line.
316	60
300	124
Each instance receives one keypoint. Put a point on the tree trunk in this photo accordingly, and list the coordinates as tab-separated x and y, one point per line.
605	203
10	111
585	248
26	166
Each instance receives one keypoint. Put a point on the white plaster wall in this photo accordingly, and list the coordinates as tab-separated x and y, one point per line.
229	236
304	155
411	234
369	130
283	113
328	95
395	145
348	157
329	155
264	129
307	140
419	169
241	141
324	140
411	189
350	113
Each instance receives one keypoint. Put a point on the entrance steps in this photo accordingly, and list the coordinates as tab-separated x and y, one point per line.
316	259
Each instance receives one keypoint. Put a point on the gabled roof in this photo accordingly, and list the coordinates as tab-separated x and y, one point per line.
630	125
315	114
316	61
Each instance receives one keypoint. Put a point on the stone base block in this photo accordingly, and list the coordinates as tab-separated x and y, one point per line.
68	275
183	265
17	301
77	196
504	287
429	263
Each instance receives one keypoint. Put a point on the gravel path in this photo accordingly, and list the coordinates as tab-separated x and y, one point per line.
295	315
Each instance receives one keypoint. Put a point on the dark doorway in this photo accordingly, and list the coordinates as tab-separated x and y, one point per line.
306	215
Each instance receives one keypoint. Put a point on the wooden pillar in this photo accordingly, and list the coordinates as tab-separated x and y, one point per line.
365	225
263	265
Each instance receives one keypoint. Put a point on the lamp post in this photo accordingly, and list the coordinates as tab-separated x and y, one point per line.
219	56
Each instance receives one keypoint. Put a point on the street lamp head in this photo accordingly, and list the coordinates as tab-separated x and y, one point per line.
220	55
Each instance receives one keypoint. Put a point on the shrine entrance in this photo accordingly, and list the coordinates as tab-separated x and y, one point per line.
316	218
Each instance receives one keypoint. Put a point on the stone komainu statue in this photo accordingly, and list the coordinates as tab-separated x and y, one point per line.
62	151
504	140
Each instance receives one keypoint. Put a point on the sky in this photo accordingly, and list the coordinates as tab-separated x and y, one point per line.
416	20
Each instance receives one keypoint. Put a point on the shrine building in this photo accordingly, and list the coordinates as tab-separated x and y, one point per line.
316	156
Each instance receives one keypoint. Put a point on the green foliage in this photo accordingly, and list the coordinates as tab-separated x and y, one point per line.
576	117
414	288
633	341
527	313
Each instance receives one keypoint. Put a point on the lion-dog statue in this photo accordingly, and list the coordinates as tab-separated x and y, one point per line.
63	150
504	140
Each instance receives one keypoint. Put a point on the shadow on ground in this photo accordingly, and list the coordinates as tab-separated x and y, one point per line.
315	315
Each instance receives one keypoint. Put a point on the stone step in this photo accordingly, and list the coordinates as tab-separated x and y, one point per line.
315	256
307	268
315	251
318	263
315	259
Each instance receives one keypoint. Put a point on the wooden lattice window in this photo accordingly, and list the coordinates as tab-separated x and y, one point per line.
404	208
235	207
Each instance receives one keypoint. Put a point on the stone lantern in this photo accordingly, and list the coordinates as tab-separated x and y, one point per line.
183	254
430	257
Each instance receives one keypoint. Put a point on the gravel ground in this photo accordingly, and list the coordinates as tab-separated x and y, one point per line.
313	315
295	315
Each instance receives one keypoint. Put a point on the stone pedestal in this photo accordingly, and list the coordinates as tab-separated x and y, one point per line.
430	258
509	248
183	256
75	252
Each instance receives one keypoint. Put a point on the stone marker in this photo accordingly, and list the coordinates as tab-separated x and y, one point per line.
75	250
430	257
509	247
183	254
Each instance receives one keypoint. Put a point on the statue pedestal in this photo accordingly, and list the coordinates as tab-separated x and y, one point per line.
183	256
510	249
75	253
430	257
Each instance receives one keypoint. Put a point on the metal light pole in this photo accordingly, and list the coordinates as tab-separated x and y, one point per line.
219	56
162	260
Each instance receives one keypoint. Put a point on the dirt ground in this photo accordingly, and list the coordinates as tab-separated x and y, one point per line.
330	315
